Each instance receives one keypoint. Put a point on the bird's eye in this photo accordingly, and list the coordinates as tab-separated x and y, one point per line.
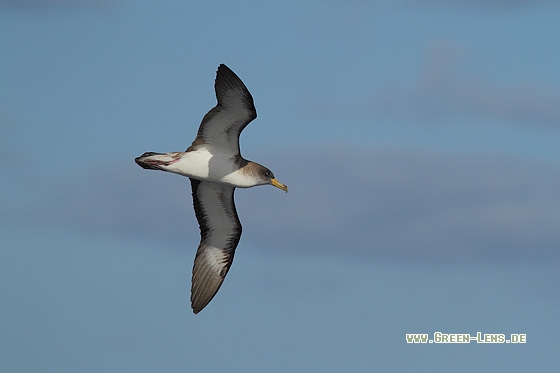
268	174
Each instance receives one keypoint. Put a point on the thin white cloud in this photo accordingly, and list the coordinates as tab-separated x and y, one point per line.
442	91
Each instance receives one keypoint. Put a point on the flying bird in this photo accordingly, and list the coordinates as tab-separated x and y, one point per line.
215	167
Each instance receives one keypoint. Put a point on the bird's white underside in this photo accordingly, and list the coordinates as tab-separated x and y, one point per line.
209	164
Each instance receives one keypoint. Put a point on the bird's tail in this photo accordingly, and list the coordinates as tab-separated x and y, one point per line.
155	161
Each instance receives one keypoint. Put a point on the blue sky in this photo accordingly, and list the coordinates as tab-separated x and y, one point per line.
420	141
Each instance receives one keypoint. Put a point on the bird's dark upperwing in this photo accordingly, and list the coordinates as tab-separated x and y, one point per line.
222	125
220	231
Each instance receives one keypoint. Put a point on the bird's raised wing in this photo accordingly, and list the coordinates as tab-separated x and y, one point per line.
220	231
222	125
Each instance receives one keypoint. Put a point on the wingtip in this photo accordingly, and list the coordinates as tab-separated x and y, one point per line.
209	272
226	73
223	69
198	306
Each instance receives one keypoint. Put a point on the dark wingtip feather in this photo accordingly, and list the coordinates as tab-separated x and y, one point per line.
205	283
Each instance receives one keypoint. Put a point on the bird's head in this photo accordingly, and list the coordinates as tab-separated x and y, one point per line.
268	176
263	176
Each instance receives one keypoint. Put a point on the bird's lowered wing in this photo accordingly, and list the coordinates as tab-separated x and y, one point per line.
220	231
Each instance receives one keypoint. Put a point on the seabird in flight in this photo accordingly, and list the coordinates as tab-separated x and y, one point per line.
215	167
